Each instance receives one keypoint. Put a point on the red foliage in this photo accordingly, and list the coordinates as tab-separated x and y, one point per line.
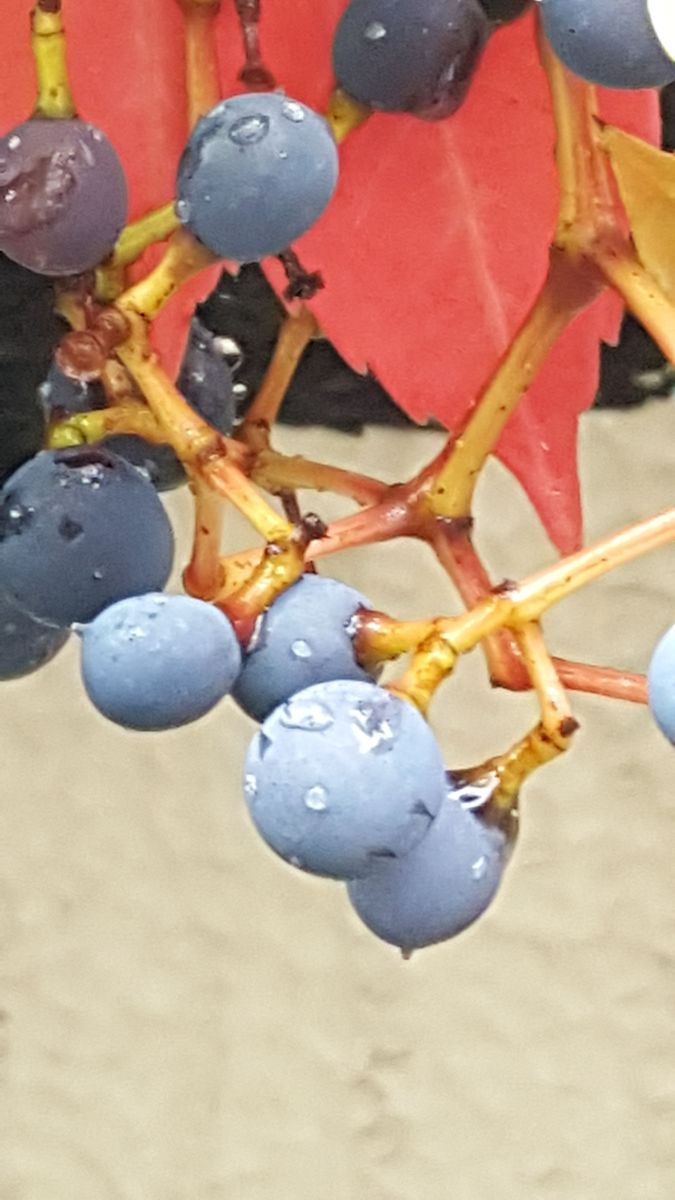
436	242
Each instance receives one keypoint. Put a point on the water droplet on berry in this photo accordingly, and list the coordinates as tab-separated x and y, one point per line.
14	142
183	210
292	111
316	798
374	31
305	714
92	474
479	868
372	728
13	519
256	634
230	351
250	786
301	649
248	130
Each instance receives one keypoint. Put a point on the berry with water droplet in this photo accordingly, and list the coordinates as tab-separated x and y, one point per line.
156	662
414	56
257	172
445	883
65	523
341	775
303	638
63	196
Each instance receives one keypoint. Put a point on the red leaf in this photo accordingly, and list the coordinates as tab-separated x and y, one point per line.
437	239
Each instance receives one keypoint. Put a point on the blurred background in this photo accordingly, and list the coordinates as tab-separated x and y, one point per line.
186	1018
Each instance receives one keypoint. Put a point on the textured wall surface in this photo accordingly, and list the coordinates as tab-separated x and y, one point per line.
184	1018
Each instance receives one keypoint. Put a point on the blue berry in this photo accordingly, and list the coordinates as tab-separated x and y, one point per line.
79	529
304	638
661	684
443	885
617	44
257	172
414	56
156	662
25	644
341	775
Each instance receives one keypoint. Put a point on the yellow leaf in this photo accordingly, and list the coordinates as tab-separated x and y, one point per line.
646	181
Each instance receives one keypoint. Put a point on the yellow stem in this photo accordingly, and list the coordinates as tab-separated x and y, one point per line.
557	720
587	221
509	772
295	334
48	43
279	472
155	226
229	481
203	576
201	64
183	259
565	292
522	603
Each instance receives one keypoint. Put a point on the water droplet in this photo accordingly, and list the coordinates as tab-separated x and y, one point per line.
295	861
306	714
183	210
240	390
249	129
250	786
479	868
301	649
257	634
375	31
353	625
92	474
13	519
283	154
293	111
371	728
97	574
316	798
230	350
87	154
14	142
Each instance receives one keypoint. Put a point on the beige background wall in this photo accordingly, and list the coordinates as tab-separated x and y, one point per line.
184	1018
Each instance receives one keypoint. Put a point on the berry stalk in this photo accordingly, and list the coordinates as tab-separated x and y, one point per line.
48	44
201	64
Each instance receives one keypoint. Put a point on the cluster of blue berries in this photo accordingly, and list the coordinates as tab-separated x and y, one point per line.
342	779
